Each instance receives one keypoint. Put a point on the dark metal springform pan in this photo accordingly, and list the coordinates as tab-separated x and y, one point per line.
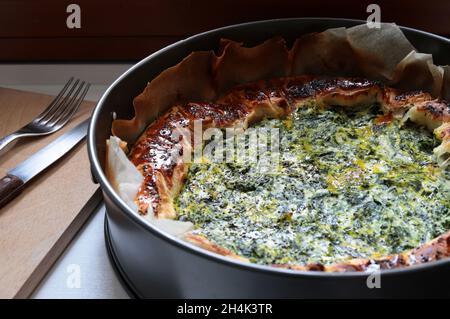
154	264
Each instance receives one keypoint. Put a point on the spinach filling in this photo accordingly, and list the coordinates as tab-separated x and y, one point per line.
344	187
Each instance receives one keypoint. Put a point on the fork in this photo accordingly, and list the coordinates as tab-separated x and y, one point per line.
56	115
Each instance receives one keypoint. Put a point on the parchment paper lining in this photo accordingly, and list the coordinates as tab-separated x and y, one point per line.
382	54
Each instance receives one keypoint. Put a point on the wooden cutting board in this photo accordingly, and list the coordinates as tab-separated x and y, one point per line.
36	226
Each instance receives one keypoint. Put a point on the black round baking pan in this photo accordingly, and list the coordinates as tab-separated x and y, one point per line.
156	264
120	273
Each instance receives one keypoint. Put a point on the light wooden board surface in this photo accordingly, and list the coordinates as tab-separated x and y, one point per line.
37	226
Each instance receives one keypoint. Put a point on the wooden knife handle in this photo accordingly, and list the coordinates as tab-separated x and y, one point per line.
10	187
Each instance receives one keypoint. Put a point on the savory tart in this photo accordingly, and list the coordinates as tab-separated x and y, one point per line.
361	180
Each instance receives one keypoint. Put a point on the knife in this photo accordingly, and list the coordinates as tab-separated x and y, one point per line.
12	184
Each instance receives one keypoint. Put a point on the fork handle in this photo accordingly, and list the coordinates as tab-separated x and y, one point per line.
8	139
10	187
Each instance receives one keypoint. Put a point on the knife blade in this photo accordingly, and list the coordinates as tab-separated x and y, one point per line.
15	179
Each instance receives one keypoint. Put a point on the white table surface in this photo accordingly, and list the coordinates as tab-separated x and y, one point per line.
87	252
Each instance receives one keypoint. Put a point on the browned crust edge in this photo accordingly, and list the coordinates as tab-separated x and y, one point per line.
356	51
436	249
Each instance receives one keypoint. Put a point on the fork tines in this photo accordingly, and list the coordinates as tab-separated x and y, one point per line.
65	104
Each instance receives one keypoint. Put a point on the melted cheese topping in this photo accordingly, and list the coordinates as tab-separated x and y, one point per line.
348	185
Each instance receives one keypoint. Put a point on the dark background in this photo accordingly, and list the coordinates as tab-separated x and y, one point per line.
127	30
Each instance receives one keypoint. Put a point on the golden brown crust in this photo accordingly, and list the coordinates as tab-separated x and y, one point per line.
435	249
203	242
355	51
158	152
